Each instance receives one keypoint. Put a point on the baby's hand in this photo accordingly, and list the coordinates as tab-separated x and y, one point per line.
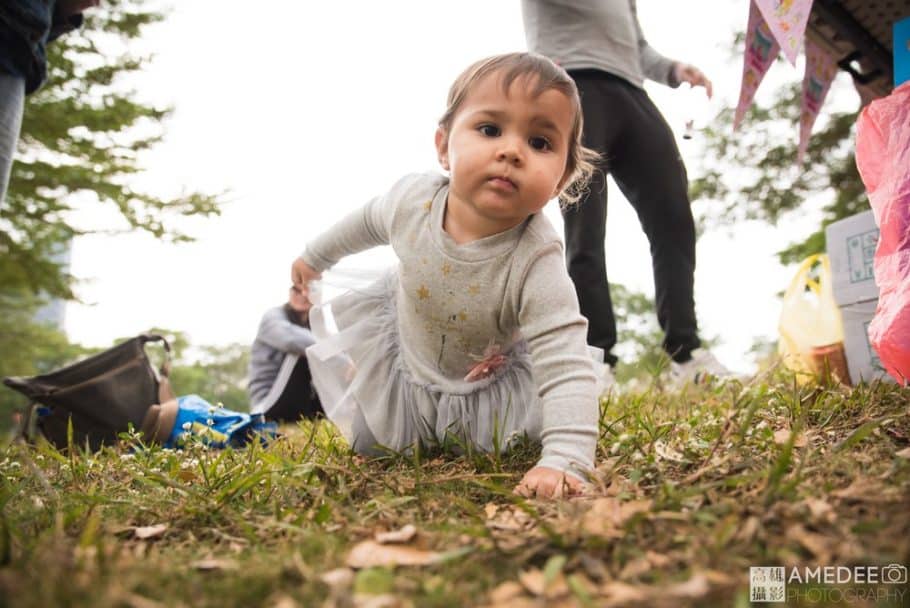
302	273
544	482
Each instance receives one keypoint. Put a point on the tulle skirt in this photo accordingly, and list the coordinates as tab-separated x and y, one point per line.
367	390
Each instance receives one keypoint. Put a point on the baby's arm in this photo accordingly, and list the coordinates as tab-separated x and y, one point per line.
360	230
556	333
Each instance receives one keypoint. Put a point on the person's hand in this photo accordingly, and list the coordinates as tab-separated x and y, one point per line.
544	482
691	74
302	273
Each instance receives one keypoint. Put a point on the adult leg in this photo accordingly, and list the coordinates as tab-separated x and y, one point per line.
650	172
298	400
585	223
12	98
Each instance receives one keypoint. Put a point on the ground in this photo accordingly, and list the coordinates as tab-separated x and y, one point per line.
692	489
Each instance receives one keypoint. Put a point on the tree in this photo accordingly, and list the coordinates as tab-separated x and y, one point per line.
83	134
752	174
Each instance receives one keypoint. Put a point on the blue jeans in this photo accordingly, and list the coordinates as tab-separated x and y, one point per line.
12	99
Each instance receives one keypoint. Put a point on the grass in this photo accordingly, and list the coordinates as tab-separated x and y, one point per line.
692	488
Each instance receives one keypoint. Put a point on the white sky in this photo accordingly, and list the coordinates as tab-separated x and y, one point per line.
304	111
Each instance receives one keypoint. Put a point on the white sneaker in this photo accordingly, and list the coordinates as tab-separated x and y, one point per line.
701	368
605	379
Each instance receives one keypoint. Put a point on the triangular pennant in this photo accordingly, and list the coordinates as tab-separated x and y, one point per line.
761	51
820	72
787	20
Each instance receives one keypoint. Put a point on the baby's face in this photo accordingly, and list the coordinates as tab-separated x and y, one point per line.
506	151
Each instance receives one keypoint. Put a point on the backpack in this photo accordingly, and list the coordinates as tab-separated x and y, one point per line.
103	394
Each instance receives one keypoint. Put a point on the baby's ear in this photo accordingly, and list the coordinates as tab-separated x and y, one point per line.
442	147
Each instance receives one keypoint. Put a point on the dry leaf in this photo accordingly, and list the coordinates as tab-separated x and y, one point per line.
716	577
369	554
635	568
378	601
694	588
536	583
814	543
622	594
667	452
146	532
748	530
607	516
215	564
658	560
821	511
644	564
782	436
505	593
865	490
338	578
511	520
905	453
490	510
134	600
285	601
186	475
404	535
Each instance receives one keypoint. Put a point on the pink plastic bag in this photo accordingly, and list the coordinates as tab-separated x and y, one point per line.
883	160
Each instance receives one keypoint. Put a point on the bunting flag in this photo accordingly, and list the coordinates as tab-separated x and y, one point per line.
761	51
787	20
820	72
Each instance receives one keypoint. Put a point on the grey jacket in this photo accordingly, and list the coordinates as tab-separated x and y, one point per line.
278	335
595	34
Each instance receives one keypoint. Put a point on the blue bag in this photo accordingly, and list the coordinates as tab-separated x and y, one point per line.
174	423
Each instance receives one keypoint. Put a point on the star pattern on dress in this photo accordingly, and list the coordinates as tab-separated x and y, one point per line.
446	269
427	205
462	315
423	293
473	289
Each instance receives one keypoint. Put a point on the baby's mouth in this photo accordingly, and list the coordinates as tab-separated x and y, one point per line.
502	182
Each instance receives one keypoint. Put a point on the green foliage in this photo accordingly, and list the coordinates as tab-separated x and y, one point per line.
639	338
218	376
82	138
752	174
83	134
28	348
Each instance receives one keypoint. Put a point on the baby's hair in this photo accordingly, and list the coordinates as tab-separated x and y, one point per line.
545	75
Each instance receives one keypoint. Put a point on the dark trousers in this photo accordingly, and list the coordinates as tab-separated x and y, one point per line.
298	400
639	151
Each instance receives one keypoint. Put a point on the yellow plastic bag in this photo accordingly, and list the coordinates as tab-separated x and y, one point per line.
811	329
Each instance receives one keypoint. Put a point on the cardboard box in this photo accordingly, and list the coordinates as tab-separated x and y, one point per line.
851	246
862	360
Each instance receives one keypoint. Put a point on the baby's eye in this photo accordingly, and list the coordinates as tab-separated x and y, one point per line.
540	143
489	130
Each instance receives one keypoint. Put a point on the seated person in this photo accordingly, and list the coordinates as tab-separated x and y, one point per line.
280	383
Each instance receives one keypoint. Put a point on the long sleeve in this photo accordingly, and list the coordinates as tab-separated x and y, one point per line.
276	331
367	227
555	330
653	65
